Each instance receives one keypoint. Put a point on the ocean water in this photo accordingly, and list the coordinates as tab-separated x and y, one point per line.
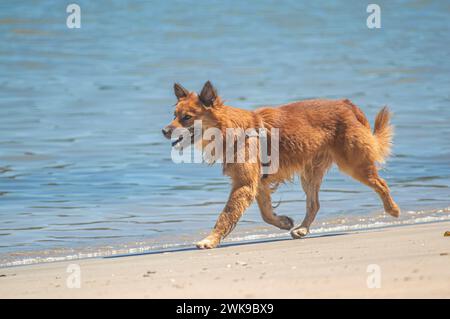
85	171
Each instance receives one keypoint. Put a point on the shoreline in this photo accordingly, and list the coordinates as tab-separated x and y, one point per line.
242	237
411	261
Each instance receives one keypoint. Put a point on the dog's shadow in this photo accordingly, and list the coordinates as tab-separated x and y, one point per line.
226	245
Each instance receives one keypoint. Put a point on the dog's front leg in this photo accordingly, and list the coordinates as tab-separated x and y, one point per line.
245	185
240	198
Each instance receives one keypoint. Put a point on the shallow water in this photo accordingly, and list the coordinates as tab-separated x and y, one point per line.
85	171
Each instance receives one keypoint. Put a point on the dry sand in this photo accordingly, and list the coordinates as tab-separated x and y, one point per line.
413	261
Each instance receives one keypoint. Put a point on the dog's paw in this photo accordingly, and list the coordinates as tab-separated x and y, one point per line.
394	211
285	222
207	243
299	232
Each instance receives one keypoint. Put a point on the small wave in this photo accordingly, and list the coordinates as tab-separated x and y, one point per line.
360	223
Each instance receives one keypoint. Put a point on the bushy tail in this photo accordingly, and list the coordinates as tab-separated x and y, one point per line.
383	132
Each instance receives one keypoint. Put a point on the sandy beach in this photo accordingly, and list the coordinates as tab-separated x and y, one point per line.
407	262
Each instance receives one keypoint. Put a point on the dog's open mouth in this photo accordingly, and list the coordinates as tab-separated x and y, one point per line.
177	141
183	140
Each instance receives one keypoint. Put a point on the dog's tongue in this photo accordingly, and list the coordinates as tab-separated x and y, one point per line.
178	140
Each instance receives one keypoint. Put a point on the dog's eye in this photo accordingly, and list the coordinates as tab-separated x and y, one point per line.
186	118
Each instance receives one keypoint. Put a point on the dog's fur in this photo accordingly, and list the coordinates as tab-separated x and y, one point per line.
313	134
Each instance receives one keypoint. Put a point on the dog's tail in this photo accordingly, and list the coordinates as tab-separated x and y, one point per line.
383	132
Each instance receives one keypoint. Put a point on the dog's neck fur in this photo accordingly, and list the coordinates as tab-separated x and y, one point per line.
226	116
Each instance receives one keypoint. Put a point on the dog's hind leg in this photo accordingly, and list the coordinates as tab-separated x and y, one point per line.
380	186
311	179
358	152
265	206
367	173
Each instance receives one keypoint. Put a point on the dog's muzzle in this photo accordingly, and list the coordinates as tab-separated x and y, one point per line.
167	131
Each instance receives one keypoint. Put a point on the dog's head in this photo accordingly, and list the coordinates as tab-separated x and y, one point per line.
192	107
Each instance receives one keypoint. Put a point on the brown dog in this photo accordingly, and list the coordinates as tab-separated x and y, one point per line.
313	134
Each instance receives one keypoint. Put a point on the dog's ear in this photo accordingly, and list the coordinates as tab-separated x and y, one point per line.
208	94
180	91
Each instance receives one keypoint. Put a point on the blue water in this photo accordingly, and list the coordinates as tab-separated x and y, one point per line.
85	169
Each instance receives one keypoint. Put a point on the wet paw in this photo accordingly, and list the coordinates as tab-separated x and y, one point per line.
394	211
299	232
285	222
207	243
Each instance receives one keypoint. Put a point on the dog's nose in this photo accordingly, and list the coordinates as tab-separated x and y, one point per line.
166	131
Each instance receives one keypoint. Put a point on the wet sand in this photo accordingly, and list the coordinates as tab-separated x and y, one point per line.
403	262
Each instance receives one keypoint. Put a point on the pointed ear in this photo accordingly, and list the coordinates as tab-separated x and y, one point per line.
180	91
208	94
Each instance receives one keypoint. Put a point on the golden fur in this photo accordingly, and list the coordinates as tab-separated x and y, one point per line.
313	135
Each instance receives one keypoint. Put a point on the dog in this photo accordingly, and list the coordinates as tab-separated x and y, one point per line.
313	134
